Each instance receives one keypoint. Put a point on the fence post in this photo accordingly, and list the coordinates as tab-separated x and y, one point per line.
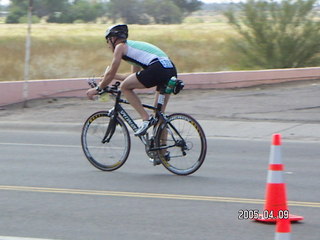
27	55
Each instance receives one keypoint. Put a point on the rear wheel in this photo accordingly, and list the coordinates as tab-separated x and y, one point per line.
106	156
183	144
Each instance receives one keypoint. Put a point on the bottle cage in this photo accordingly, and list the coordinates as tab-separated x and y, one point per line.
178	87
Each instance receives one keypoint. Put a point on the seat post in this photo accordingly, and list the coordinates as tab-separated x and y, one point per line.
160	101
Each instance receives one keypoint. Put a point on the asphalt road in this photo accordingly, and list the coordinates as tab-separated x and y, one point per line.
49	190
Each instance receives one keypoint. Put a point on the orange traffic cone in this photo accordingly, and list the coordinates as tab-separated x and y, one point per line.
276	198
283	229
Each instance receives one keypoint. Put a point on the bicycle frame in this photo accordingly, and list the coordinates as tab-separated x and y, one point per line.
118	109
159	115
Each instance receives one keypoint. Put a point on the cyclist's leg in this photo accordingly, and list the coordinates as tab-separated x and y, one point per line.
166	100
127	87
164	134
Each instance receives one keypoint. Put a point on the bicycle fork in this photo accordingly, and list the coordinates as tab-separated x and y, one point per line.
111	127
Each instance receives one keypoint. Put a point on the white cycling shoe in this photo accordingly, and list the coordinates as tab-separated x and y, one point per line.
144	126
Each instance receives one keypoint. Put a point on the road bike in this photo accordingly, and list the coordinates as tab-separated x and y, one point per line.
177	141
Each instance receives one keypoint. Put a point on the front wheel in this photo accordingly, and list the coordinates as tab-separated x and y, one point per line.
105	155
182	143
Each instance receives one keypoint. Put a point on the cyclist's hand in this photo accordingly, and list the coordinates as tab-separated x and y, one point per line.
91	93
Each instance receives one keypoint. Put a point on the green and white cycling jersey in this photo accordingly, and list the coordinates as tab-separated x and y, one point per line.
143	54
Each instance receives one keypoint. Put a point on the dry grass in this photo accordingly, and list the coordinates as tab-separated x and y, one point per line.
79	50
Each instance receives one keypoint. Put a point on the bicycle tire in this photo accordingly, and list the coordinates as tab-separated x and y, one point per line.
185	141
105	156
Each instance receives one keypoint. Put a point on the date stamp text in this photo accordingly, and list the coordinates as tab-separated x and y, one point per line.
251	214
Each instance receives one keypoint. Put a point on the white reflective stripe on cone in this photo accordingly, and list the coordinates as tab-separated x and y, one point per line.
275	155
275	177
282	236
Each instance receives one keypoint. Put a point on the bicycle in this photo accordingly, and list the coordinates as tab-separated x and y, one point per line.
177	140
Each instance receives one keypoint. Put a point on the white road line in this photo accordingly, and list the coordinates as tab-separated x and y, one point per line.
39	145
55	146
21	238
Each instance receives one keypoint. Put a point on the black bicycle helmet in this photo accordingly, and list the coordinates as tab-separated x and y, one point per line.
119	31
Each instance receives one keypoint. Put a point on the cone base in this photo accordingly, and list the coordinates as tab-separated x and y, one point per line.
292	218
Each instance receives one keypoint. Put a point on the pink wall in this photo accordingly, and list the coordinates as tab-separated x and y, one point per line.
12	92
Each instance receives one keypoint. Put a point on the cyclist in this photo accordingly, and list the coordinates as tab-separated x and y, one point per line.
151	67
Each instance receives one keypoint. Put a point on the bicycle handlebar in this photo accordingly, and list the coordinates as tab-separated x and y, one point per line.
108	89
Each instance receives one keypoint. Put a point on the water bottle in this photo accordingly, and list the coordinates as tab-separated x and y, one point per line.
171	84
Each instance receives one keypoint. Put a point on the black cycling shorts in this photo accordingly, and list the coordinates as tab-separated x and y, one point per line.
156	75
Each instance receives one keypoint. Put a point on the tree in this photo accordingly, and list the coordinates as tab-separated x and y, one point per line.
127	10
277	34
144	11
47	7
188	6
17	9
163	12
60	11
85	11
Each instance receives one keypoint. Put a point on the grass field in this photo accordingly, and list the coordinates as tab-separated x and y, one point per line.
79	50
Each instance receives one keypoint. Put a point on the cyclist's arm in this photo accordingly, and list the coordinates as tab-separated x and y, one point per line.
111	72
